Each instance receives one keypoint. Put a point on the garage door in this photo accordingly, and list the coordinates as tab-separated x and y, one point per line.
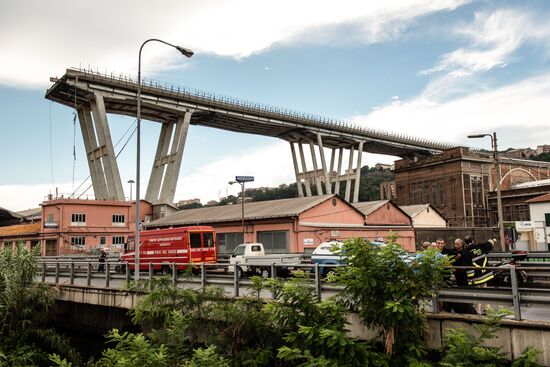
275	242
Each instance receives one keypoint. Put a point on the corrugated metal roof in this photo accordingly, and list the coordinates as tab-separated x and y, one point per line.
20	230
413	210
31	212
539	199
6	214
232	213
367	207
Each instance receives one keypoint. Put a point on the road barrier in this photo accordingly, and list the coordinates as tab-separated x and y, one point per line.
514	292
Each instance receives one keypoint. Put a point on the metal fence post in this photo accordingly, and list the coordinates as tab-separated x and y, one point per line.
107	277
235	280
435	301
43	272
273	273
72	273
174	274
56	272
317	282
151	270
89	274
515	292
128	273
203	276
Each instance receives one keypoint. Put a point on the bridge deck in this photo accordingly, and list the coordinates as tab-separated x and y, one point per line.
161	104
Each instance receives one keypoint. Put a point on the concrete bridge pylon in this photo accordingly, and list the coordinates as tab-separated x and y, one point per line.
325	178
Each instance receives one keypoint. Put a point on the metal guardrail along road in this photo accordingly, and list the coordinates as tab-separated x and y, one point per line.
514	292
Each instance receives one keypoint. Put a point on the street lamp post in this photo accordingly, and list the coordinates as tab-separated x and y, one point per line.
241	181
131	182
188	53
242	203
498	179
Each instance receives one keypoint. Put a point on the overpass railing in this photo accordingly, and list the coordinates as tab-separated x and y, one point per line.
518	287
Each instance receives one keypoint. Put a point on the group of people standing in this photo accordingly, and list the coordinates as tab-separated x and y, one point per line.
466	253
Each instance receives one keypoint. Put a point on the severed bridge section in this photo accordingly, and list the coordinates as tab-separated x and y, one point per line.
94	95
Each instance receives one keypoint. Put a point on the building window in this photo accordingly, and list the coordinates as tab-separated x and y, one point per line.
78	240
441	187
547	219
227	242
118	240
453	192
102	240
274	241
118	220
477	191
78	219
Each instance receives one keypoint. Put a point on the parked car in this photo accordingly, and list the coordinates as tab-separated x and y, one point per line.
250	259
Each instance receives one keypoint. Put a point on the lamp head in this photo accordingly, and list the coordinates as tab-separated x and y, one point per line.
185	51
232	182
477	136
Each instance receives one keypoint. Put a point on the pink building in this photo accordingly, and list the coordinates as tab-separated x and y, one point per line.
294	225
74	226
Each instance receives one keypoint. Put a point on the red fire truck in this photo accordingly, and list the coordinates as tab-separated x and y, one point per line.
162	247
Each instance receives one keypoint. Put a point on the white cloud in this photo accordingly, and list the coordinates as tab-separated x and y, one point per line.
23	197
517	112
42	38
494	37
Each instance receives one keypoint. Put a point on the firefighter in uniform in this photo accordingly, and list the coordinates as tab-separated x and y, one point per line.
478	253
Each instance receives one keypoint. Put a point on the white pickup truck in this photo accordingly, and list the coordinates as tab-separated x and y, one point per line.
251	258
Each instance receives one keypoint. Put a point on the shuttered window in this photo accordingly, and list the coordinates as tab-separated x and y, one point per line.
275	241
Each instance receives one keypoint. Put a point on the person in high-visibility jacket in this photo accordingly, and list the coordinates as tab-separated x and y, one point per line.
478	253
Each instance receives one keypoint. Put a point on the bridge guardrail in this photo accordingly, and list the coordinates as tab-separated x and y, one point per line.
515	294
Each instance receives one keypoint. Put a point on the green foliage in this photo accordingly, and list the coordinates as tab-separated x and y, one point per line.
528	358
206	357
386	288
544	157
463	349
132	350
24	341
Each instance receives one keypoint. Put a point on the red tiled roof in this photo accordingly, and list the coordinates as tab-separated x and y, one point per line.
539	199
20	230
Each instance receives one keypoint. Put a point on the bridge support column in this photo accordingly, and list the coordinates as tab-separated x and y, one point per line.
296	171
166	167
338	172
331	170
348	174
304	169
324	164
112	175
315	169
358	173
93	152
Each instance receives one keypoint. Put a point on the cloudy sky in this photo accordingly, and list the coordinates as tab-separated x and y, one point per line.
437	69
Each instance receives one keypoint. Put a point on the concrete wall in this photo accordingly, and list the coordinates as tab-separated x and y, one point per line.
333	211
513	337
388	214
428	218
538	211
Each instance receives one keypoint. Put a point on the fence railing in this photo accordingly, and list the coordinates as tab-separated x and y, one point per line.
519	287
